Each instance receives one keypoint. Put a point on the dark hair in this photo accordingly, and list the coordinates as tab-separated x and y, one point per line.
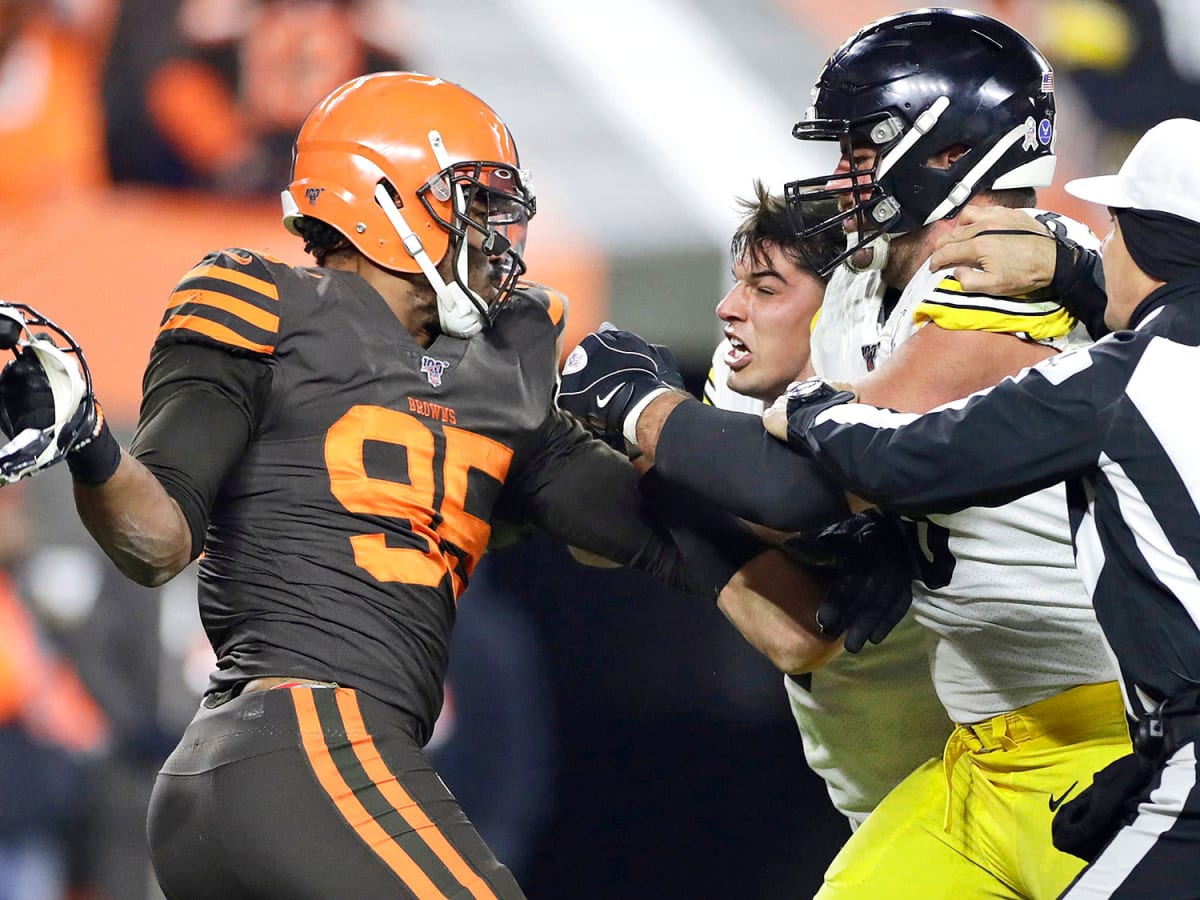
321	239
767	220
1013	198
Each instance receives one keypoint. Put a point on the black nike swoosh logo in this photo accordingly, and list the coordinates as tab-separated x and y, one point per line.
1055	804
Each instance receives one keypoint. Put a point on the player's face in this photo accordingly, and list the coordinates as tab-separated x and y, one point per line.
493	213
485	272
768	316
856	157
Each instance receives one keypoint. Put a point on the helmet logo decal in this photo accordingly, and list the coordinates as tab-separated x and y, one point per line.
1045	131
433	369
1030	142
1048	82
312	194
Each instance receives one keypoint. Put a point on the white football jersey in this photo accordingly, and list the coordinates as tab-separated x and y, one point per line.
868	719
999	590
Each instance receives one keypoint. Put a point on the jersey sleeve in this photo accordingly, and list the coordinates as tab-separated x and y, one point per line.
729	460
553	302
583	492
1040	316
228	300
200	407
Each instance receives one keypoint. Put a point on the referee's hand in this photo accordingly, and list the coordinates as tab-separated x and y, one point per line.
997	251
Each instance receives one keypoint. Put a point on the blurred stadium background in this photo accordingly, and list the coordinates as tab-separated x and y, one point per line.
612	740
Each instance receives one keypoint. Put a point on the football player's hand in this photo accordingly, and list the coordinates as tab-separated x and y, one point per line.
800	403
997	251
870	586
46	407
26	400
611	374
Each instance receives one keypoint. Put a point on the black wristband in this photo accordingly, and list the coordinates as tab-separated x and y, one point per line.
94	460
714	545
1079	284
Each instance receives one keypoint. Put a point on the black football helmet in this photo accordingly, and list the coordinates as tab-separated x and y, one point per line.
910	86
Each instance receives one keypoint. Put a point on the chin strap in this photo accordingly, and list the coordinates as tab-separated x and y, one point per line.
459	317
878	246
460	310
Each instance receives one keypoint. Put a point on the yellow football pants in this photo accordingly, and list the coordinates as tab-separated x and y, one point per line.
976	823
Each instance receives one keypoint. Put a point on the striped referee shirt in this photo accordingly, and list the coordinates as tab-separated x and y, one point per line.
1119	421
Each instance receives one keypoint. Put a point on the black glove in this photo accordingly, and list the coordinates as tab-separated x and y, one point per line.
26	400
668	366
608	374
668	371
871	576
1084	826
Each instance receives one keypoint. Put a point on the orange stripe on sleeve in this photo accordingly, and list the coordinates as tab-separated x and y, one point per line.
213	330
394	792
348	805
257	317
555	307
233	276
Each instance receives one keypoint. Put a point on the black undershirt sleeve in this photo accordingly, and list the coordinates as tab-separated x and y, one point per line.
583	492
200	406
1079	283
728	459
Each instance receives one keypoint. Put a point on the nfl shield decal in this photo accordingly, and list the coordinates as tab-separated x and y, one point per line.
433	369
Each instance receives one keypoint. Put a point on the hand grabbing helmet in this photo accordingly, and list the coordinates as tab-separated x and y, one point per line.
46	402
911	86
405	167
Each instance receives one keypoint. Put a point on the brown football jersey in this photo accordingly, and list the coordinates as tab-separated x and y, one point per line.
340	540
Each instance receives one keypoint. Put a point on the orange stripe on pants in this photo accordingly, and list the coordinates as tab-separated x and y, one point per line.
394	792
363	823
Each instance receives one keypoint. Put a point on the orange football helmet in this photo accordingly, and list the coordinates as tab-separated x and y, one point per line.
405	166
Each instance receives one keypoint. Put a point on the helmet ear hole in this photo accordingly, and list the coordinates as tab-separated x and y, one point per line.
392	192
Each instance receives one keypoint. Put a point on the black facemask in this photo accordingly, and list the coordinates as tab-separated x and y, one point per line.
1164	246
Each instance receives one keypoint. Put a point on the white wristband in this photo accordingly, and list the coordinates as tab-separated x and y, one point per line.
629	426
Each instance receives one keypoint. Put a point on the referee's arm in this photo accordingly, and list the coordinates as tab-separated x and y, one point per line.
1029	432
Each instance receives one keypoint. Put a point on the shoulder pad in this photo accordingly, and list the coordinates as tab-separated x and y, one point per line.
552	301
1066	227
1037	318
230	299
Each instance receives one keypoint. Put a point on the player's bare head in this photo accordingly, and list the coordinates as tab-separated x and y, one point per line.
767	221
421	177
930	107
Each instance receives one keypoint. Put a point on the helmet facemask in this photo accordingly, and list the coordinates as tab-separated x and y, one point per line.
877	212
491	203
